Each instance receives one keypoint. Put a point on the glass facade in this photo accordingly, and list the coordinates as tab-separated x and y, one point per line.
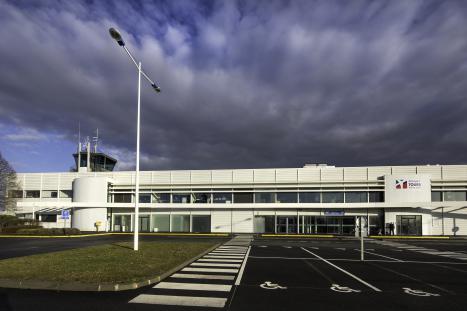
287	197
181	198
145	198
265	197
454	196
436	196
223	197
309	197
376	196
161	223
180	223
333	197
122	223
161	198
202	198
243	197
122	197
201	223
356	197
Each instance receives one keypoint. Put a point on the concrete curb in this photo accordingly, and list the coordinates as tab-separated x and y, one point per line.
405	237
90	287
297	236
114	233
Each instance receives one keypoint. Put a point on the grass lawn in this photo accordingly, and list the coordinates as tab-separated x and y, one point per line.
109	263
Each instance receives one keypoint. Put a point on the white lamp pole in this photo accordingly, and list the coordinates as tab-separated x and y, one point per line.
116	35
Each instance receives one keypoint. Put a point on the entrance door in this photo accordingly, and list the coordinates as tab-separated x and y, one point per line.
409	225
144	223
287	224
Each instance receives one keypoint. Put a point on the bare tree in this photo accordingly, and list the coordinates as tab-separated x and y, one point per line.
8	183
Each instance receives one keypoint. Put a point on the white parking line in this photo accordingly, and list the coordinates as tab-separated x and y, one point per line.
210	270
240	274
181	300
379	255
340	269
194	286
202	276
207	264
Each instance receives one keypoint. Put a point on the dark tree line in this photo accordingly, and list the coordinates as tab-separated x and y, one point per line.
7	182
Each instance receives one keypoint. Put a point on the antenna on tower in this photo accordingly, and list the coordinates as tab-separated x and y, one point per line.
79	136
95	139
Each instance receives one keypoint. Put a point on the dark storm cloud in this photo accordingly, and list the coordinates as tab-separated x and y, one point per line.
245	84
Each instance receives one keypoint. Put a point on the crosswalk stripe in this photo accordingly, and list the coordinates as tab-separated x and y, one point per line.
202	276
194	286
207	264
220	260
229	252
210	270
225	254
223	257
180	300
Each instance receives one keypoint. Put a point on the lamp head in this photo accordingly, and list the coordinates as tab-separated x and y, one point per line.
156	88
117	36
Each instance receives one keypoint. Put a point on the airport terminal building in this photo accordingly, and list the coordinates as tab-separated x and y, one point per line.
314	199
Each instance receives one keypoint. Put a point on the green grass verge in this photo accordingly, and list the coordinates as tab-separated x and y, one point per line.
110	263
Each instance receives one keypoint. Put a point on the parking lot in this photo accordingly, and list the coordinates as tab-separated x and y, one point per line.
284	274
287	274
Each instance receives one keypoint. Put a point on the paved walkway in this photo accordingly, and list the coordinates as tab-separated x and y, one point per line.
207	282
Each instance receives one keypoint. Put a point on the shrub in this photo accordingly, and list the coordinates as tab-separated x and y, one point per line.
49	231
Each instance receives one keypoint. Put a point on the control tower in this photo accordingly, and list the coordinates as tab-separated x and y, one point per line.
88	160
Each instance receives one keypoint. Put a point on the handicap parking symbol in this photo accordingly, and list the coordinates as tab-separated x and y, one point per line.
344	289
270	285
417	292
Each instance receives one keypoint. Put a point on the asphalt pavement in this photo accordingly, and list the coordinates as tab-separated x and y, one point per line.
285	274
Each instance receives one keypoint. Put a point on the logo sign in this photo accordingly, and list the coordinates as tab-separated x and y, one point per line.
65	214
408	184
334	213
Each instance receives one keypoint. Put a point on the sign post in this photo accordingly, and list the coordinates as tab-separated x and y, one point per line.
65	215
362	253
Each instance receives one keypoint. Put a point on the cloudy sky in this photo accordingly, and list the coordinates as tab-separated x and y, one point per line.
244	83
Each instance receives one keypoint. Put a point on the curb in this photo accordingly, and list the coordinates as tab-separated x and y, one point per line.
113	233
106	287
404	237
297	235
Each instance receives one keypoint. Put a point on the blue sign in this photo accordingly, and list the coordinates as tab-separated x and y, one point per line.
65	214
334	213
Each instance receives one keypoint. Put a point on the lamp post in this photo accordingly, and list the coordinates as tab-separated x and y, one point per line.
116	35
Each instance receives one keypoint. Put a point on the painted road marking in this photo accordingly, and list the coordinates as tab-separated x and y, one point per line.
220	260
180	300
223	257
210	270
228	252
270	285
345	271
194	286
207	264
262	246
379	255
202	276
344	289
417	292
340	248
240	274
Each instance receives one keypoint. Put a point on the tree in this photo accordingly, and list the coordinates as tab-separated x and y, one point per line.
7	182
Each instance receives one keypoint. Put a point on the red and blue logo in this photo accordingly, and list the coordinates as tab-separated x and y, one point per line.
401	184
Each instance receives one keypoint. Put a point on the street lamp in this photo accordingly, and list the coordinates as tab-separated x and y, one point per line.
118	37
